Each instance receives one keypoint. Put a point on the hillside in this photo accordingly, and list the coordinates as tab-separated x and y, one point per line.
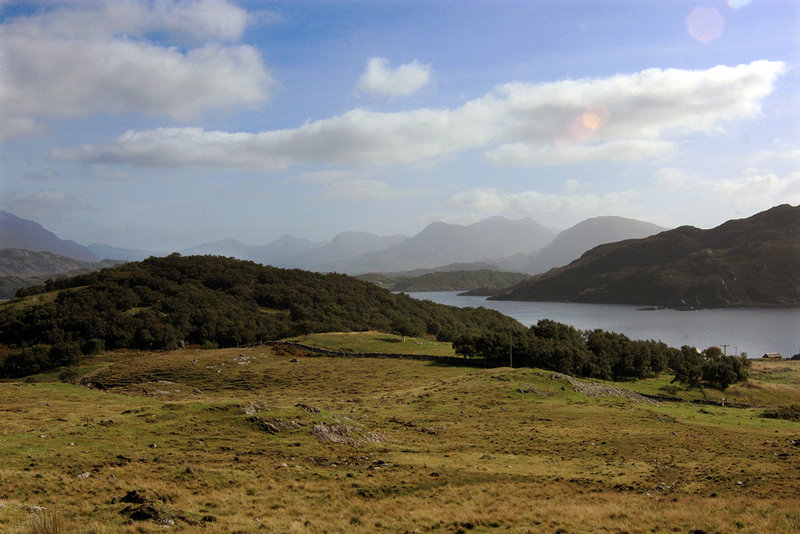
447	280
23	268
29	235
570	244
744	262
441	244
162	303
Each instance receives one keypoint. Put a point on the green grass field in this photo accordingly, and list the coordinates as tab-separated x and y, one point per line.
247	440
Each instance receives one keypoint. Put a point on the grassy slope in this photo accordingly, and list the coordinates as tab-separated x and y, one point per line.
458	449
376	342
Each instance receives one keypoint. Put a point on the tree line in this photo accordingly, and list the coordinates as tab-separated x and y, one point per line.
167	302
601	354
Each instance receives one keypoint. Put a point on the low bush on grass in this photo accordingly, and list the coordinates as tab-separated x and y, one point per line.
789	413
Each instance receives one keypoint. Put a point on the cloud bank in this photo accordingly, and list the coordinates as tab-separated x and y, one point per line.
626	117
78	58
380	79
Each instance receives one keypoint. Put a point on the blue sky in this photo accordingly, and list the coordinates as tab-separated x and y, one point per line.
162	124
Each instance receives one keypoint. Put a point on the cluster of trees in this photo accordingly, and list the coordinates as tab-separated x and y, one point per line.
161	303
601	354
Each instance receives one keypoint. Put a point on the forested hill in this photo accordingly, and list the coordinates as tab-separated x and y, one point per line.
744	262
160	302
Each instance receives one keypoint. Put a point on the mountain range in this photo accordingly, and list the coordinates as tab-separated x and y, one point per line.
744	262
572	242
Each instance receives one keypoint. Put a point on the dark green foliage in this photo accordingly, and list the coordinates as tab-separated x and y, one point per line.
93	346
28	361
687	366
213	301
721	371
64	353
691	368
600	354
789	413
68	375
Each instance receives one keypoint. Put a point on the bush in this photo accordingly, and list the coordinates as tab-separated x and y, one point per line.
64	354
722	371
789	413
93	346
68	375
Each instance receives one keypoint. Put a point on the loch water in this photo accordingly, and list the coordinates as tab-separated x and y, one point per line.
751	330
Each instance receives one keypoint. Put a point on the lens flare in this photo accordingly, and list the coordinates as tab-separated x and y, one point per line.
705	24
736	4
589	121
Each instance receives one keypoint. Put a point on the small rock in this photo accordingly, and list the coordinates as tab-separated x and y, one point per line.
84	475
294	360
153	446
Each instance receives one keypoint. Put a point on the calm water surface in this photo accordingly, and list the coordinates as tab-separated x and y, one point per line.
751	330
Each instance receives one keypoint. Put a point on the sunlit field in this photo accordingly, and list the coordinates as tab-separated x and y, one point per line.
252	440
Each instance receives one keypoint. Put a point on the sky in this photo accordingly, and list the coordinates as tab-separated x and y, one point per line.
162	124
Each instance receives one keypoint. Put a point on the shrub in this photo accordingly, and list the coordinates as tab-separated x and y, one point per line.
68	375
789	413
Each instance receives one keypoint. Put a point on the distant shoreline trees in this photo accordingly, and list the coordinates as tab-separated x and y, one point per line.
604	355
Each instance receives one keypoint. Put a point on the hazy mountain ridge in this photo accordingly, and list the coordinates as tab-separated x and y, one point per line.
343	248
571	243
442	243
744	262
29	235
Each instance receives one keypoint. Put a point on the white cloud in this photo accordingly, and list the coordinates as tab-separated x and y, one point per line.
380	79
527	155
621	118
751	192
353	185
755	191
789	155
82	57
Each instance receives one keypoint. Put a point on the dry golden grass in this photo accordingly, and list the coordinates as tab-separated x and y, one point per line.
225	441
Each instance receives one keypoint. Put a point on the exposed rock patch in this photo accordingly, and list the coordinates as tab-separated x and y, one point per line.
601	390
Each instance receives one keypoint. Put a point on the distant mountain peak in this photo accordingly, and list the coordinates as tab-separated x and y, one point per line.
16	232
